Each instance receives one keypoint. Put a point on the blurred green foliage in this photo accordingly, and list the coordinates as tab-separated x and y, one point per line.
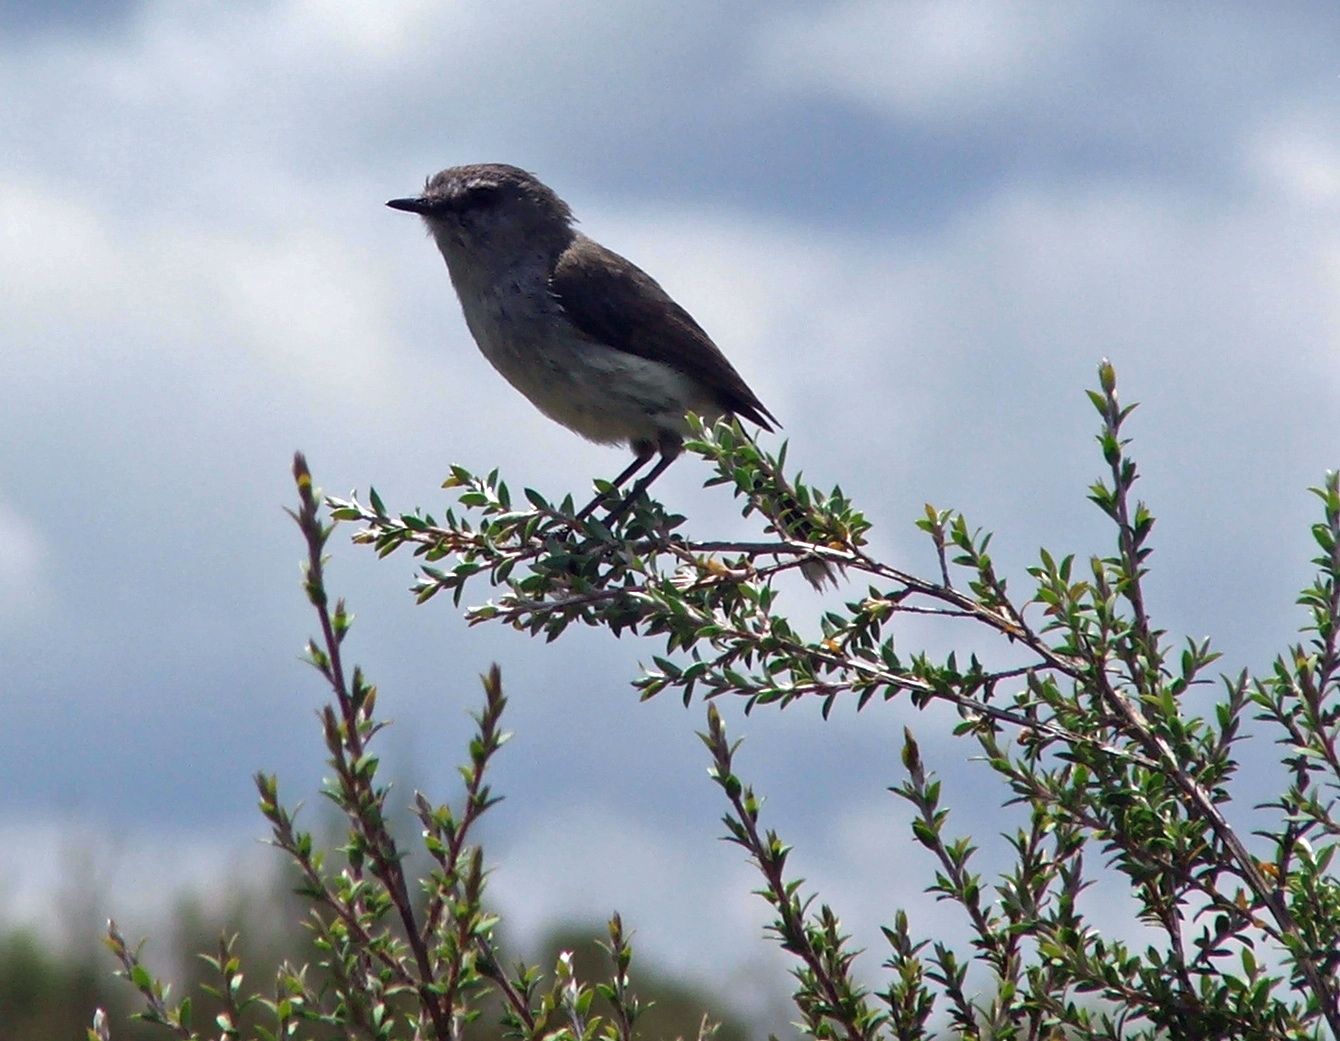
49	988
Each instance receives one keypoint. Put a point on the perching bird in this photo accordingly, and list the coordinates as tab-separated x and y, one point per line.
590	338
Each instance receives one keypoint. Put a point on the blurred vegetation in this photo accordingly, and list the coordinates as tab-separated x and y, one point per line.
47	994
50	988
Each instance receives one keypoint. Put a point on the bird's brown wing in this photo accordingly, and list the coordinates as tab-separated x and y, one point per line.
614	301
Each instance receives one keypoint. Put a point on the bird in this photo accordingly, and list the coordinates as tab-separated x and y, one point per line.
586	335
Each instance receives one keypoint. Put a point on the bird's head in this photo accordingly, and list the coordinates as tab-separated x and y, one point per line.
490	205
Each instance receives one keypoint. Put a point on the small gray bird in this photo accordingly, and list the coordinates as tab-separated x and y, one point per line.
590	338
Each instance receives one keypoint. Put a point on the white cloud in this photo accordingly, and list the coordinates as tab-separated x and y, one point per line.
1295	157
588	859
209	104
88	284
1024	280
930	60
57	259
65	877
24	584
692	900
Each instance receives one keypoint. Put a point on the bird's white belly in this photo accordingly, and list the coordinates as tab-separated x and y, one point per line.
606	395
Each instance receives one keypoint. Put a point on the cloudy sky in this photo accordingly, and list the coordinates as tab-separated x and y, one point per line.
915	228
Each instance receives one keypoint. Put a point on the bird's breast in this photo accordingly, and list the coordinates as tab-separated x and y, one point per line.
605	394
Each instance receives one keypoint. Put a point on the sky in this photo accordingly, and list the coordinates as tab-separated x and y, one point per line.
914	227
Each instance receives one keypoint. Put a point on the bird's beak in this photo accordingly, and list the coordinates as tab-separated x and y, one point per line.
419	206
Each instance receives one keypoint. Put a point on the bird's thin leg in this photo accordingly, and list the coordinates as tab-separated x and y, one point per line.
644	451
669	453
639	461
